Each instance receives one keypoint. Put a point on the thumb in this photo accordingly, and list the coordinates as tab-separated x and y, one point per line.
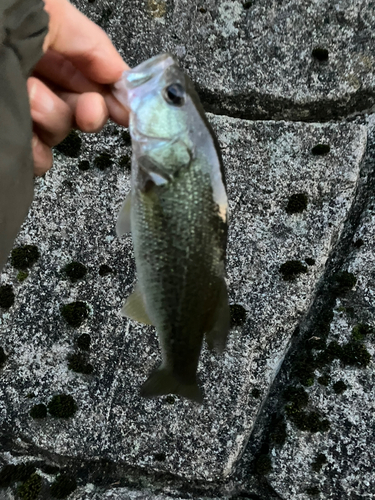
81	41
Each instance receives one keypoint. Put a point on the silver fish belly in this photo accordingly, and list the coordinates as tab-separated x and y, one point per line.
177	213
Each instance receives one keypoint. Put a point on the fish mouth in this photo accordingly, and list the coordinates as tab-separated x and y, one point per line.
152	69
148	70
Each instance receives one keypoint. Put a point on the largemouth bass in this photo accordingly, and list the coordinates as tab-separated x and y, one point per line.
177	212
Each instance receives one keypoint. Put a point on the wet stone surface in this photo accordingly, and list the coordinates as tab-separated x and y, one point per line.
321	53
266	163
348	396
293	206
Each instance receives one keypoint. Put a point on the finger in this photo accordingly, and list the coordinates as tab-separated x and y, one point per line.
42	156
58	69
117	112
51	114
89	109
81	41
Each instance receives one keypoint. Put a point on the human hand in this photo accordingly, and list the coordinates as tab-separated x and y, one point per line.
69	86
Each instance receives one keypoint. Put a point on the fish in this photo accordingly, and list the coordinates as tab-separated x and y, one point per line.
177	213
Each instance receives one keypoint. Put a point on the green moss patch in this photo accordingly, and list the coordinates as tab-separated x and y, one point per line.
263	464
31	488
355	354
38	411
125	162
324	379
320	54
106	15
24	257
14	473
3	357
326	356
360	331
278	434
103	161
306	421
297	203
343	282
125	136
320	149
237	315
63	486
71	145
22	275
49	469
170	400
104	270
83	341
75	271
84	165
255	393
297	396
160	457
350	311
62	406
304	368
77	362
319	461
75	313
6	296
339	387
313	491
291	269
298	399
358	243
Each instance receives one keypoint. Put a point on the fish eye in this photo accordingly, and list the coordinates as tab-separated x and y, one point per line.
175	94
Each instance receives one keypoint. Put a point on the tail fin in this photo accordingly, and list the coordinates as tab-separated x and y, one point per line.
162	381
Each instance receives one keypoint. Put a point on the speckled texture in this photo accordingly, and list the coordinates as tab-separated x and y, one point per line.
250	60
73	218
349	445
92	493
257	56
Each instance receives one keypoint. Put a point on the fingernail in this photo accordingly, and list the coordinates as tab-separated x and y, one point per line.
32	92
45	103
34	141
40	100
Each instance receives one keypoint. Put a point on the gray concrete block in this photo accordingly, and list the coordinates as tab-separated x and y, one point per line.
297	60
349	445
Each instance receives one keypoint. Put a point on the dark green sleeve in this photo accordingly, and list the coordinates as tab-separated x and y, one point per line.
23	26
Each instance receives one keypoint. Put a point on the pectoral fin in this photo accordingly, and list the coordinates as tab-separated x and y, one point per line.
216	336
123	220
150	174
162	163
134	307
